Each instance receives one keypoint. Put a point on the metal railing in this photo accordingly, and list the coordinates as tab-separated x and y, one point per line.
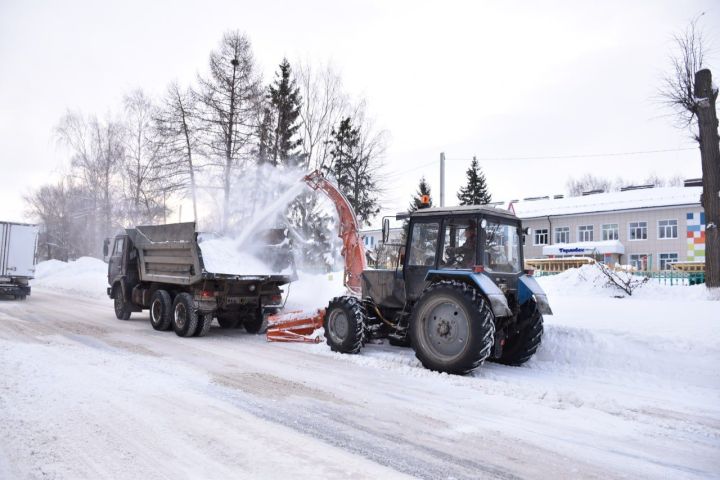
664	277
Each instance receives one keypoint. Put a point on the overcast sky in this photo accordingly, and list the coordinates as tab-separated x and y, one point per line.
500	80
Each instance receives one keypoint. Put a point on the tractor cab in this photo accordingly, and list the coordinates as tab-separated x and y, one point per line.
453	241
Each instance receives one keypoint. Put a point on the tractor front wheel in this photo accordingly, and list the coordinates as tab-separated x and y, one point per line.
452	328
524	338
344	324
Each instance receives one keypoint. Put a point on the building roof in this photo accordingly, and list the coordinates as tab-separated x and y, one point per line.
611	201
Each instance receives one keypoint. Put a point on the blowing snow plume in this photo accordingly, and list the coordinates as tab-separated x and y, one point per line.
276	223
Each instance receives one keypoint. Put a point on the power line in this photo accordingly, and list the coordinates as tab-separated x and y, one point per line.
588	155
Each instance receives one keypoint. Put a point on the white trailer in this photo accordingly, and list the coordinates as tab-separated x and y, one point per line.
18	245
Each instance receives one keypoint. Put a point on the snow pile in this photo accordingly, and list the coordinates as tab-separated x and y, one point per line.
228	256
589	280
85	276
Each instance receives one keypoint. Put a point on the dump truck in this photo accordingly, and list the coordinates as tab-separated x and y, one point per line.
459	294
18	247
161	268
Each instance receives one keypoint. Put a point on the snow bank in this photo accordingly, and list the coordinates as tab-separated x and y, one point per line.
85	276
589	280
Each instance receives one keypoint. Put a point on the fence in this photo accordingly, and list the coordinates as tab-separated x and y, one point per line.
664	277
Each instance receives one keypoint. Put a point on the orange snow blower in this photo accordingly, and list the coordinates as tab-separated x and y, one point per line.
300	326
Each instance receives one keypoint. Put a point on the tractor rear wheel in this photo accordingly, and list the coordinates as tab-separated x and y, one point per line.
452	328
344	324
524	340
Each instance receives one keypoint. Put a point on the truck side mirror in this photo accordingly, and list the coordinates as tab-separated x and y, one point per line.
106	247
385	230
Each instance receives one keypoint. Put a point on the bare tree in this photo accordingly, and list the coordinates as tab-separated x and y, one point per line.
623	280
61	209
148	176
587	183
324	105
689	91
677	91
97	151
176	125
231	96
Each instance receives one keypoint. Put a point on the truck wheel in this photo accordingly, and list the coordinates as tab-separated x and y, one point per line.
254	321
452	328
228	320
204	322
523	342
122	308
185	317
161	310
344	324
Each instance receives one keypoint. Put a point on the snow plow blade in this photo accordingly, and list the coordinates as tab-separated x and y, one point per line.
295	326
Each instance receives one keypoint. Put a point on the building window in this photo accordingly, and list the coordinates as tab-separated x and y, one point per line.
637	230
541	236
666	259
667	229
585	233
639	261
610	231
562	235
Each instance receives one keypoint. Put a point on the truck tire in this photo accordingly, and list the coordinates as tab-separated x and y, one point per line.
204	322
254	321
122	308
523	342
344	324
228	320
452	328
185	317
161	310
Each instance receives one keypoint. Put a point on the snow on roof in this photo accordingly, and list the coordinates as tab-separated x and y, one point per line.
603	202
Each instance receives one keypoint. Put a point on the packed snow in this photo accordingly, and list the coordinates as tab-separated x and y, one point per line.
621	387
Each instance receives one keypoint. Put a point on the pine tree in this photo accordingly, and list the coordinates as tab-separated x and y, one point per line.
416	202
284	98
266	136
353	172
475	192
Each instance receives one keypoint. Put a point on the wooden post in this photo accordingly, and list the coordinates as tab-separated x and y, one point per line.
710	155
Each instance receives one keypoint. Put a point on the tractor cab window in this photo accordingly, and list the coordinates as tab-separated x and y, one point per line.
502	248
460	243
423	244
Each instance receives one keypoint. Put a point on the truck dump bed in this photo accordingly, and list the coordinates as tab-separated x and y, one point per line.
171	254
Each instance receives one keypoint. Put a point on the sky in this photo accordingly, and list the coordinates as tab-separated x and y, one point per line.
538	91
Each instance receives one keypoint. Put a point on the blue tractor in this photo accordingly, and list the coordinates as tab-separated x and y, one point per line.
458	295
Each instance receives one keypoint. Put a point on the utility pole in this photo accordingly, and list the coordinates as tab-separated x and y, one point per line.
442	179
710	156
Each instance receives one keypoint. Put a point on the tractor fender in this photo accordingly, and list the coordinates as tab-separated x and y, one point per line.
495	296
529	288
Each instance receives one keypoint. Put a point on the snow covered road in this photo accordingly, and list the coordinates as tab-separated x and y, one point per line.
83	395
